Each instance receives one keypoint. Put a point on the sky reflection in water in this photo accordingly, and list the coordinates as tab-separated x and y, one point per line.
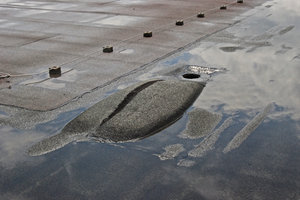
266	74
262	56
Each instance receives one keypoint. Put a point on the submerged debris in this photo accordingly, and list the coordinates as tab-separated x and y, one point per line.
133	113
208	142
248	129
186	163
171	151
201	122
231	48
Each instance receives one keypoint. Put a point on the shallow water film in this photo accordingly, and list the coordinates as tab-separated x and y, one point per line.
239	140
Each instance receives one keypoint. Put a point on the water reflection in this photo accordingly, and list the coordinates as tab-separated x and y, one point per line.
267	75
13	142
263	69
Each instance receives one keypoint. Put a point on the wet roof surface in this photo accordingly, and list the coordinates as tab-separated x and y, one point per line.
36	35
239	140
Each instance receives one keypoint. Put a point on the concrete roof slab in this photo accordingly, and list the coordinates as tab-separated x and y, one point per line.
40	92
91	30
40	99
62	16
39	34
127	21
19	24
13	12
30	61
41	5
137	52
71	44
11	38
201	26
165	9
167	38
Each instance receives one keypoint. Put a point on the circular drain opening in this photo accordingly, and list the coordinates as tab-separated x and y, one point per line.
190	76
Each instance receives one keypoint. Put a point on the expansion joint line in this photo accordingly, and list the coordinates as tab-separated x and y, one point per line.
7	75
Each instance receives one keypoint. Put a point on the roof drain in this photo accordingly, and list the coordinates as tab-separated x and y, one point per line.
191	76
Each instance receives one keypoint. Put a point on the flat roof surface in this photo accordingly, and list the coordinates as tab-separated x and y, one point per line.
239	140
36	35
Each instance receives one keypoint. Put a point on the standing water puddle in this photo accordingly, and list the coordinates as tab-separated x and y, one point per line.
240	140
